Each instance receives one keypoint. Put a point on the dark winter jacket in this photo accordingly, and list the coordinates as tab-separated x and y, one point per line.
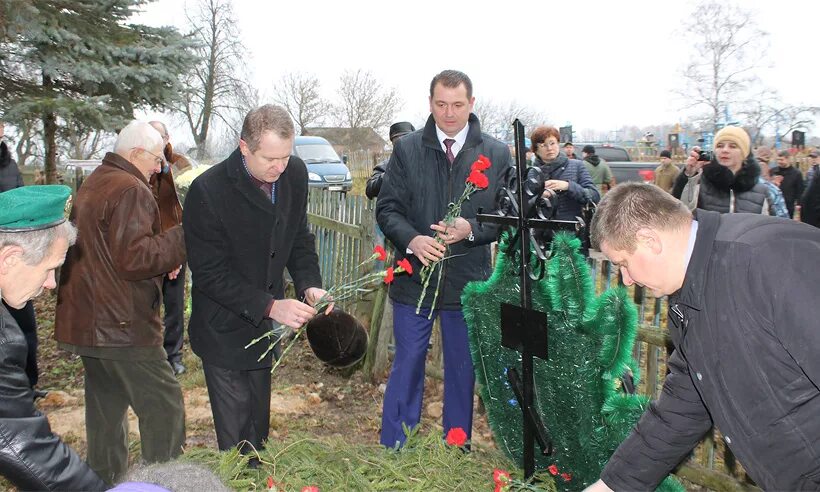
791	186
717	189
31	456
10	176
374	182
744	327
239	244
581	191
810	202
415	194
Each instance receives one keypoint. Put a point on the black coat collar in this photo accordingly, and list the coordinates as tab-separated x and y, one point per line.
691	292
430	137
242	181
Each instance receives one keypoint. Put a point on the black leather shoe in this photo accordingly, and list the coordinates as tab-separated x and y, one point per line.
178	368
38	393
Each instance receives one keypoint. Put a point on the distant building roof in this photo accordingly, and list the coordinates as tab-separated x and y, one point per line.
352	139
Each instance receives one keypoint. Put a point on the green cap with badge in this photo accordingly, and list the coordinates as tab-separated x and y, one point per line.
31	208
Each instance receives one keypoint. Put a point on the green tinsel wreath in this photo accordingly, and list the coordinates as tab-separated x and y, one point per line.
577	391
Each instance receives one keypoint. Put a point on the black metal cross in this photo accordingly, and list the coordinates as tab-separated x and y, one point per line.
521	207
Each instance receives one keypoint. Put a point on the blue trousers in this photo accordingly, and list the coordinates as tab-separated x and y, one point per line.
405	386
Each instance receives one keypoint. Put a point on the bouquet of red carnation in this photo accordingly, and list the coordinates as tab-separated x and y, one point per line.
476	180
348	289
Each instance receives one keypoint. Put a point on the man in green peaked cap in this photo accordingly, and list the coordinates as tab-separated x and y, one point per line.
34	239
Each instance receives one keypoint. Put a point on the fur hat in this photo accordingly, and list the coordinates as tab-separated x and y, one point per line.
666	153
338	339
399	129
736	135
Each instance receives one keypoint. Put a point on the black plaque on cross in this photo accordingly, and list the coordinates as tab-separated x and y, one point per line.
522	208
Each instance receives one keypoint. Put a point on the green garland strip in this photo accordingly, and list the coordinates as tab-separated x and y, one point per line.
577	393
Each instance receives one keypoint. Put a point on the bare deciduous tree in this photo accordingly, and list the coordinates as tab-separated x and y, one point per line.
240	104
299	94
766	111
726	39
78	141
27	135
496	118
219	76
364	102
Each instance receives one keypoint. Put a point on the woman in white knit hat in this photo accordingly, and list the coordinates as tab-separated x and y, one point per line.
727	183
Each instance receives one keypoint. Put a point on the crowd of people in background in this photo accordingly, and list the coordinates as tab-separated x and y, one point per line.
245	221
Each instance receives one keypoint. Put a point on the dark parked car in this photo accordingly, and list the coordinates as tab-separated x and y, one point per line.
325	168
621	164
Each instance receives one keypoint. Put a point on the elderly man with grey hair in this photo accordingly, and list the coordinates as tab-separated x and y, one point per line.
245	221
108	306
34	238
744	327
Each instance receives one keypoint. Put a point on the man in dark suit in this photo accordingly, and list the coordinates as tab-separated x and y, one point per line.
428	170
245	220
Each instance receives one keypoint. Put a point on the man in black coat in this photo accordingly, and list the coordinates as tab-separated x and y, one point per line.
245	221
427	171
744	327
374	182
34	238
789	179
11	178
810	201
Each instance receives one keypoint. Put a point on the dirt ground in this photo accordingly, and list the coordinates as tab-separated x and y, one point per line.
307	396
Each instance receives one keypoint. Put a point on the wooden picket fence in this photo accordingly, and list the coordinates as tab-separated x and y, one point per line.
346	233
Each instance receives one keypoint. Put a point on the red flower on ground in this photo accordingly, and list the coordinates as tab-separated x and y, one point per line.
270	482
388	275
478	178
379	250
566	476
482	164
311	488
553	470
456	437
405	266
501	476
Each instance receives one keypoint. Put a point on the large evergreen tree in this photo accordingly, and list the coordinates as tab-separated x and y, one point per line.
82	62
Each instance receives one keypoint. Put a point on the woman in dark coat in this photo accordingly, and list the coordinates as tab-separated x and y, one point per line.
566	180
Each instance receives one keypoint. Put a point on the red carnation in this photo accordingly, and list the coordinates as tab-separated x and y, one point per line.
482	164
270	482
500	476
404	264
566	476
553	470
379	250
456	437
388	275
311	488
478	178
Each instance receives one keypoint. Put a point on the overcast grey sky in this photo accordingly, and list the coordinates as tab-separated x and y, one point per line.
595	64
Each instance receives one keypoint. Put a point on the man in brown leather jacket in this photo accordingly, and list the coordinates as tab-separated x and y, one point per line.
170	215
108	306
34	237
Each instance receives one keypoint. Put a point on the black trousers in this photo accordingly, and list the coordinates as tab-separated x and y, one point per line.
28	325
173	298
240	402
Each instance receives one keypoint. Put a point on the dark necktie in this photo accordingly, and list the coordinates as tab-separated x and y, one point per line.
448	142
